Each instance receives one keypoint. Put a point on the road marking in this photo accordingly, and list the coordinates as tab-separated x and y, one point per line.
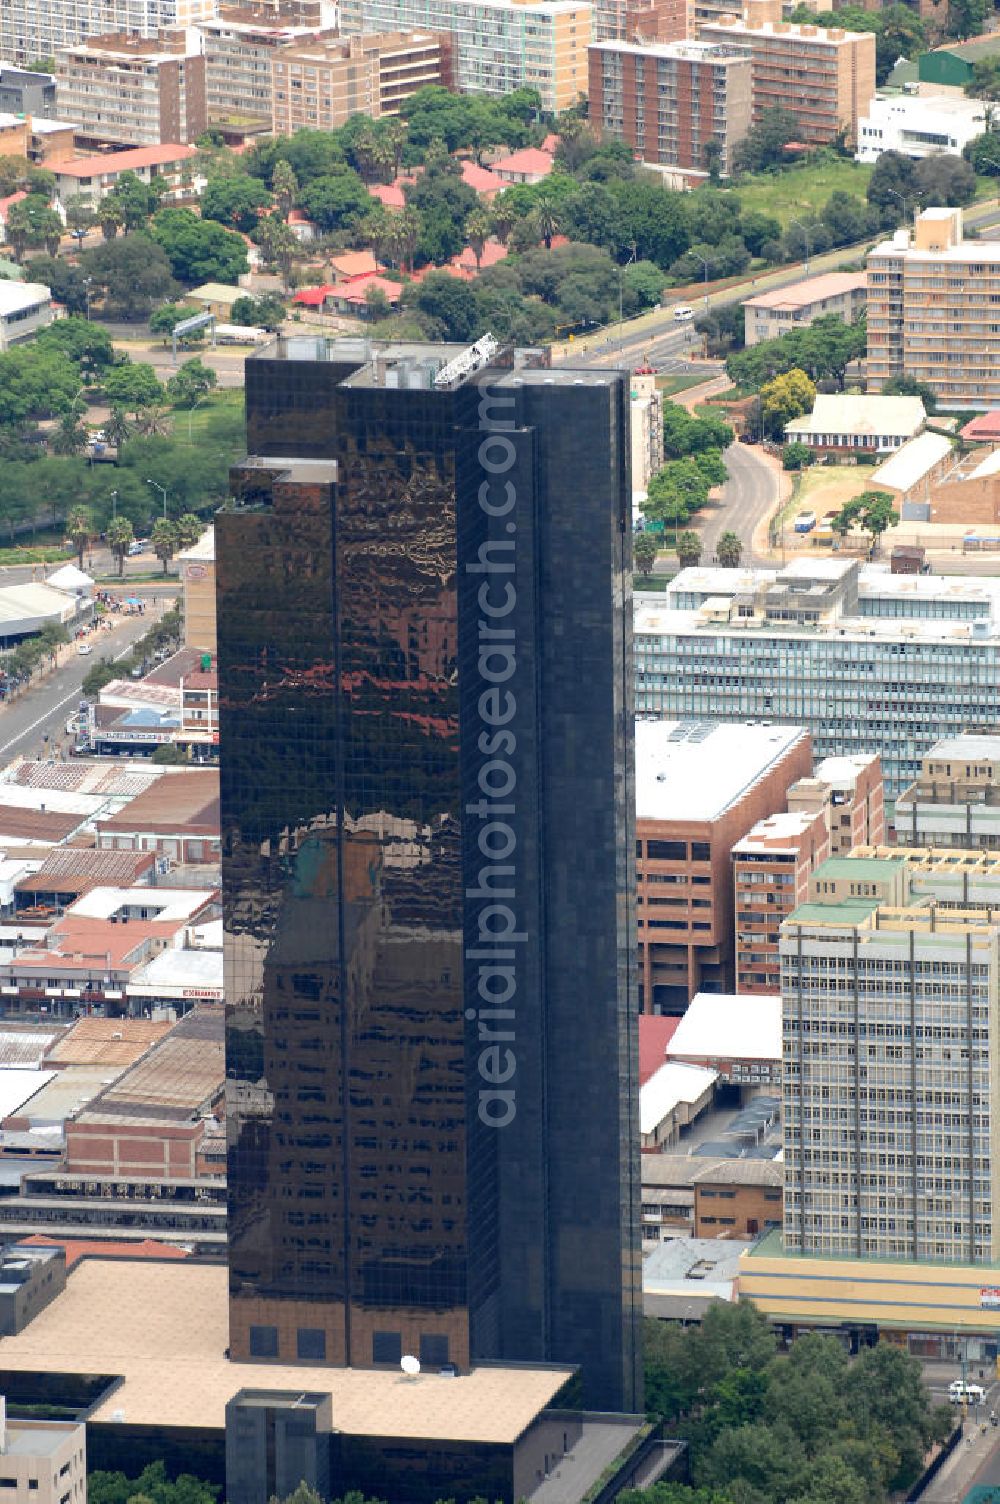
74	694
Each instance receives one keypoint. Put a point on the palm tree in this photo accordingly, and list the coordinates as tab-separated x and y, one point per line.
729	549
111	217
153	421
688	549
383	160
477	233
117	428
284	185
189	530
165	540
365	154
120	539
79	532
547	218
408	229
70	436
394	133
504	217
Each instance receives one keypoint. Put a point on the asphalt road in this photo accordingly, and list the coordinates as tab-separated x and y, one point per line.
748	495
45	706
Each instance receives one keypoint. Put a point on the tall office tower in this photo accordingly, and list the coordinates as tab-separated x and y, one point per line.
427	792
891	1067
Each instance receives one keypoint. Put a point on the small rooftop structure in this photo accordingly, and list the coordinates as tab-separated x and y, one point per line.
810	290
681	1277
176	1081
842	414
674	1085
695	770
117	1042
909	465
100	165
733	1026
984	428
76	1249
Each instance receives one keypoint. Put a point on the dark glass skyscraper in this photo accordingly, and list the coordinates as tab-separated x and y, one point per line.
427	805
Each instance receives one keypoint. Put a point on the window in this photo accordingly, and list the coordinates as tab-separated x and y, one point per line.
433	1350
310	1343
263	1342
387	1347
701	851
666	851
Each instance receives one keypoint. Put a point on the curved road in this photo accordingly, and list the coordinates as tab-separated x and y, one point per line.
748	495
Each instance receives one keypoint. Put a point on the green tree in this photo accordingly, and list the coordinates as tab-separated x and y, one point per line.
164	320
477	232
80	216
198	250
729	549
117	427
339	201
688	549
164	540
189	530
137	201
909	386
193	381
129	277
111	216
133	387
985	81
284	186
235	201
120	537
79	531
70	436
645	550
447	308
764	144
788	396
32	226
277	244
64	280
796	456
877	514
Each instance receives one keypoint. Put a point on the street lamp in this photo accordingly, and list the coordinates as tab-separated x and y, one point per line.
896	194
621	296
706	265
114	506
86	292
162	490
191	409
805	232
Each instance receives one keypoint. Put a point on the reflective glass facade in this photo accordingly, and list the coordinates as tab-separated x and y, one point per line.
427	814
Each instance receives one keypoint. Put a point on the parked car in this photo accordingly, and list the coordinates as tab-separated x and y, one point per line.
83	648
683	314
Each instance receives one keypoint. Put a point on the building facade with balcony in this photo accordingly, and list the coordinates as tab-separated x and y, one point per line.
670	100
934	311
129	91
497	45
772	866
239	45
955	800
319	85
32	29
824	76
772	314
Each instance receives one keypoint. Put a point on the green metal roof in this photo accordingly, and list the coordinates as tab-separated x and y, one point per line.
973	50
772	1246
850	911
864	868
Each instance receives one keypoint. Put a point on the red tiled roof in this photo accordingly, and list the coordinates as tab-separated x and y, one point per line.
356	291
121	161
313	297
493	252
12	198
655	1034
528	160
78	1248
389	194
551	142
983	426
480	178
296	217
354	263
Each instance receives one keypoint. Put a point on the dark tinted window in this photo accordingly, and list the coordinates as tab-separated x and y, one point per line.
310	1343
433	1350
701	851
666	851
263	1342
387	1347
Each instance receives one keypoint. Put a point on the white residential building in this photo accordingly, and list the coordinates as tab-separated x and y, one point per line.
39	28
646	416
25	307
919	125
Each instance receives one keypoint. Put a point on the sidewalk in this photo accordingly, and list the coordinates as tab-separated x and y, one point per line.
958	1474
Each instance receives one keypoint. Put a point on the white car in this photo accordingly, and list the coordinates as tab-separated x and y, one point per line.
974	1394
83	648
683	314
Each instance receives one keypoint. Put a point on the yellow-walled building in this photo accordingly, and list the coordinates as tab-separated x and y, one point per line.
946	1310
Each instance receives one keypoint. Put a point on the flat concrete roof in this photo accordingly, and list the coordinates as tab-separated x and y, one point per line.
164	1329
695	770
729	1026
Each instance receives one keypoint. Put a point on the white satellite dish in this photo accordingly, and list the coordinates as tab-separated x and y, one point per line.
410	1365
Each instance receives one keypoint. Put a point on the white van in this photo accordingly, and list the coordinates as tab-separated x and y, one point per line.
683	314
973	1393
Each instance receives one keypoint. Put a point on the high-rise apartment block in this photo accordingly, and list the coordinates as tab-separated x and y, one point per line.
772	866
646	422
955	800
672	102
849	791
700	786
129	91
862	658
414	710
320	84
891	1071
239	45
824	76
771	314
31	29
27	93
497	45
932	298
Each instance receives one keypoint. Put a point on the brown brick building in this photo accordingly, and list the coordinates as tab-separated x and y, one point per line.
133	91
738	1198
700	787
670	100
319	85
772	866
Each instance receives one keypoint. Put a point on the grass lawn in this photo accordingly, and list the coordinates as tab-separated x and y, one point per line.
786	194
205	417
681	382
